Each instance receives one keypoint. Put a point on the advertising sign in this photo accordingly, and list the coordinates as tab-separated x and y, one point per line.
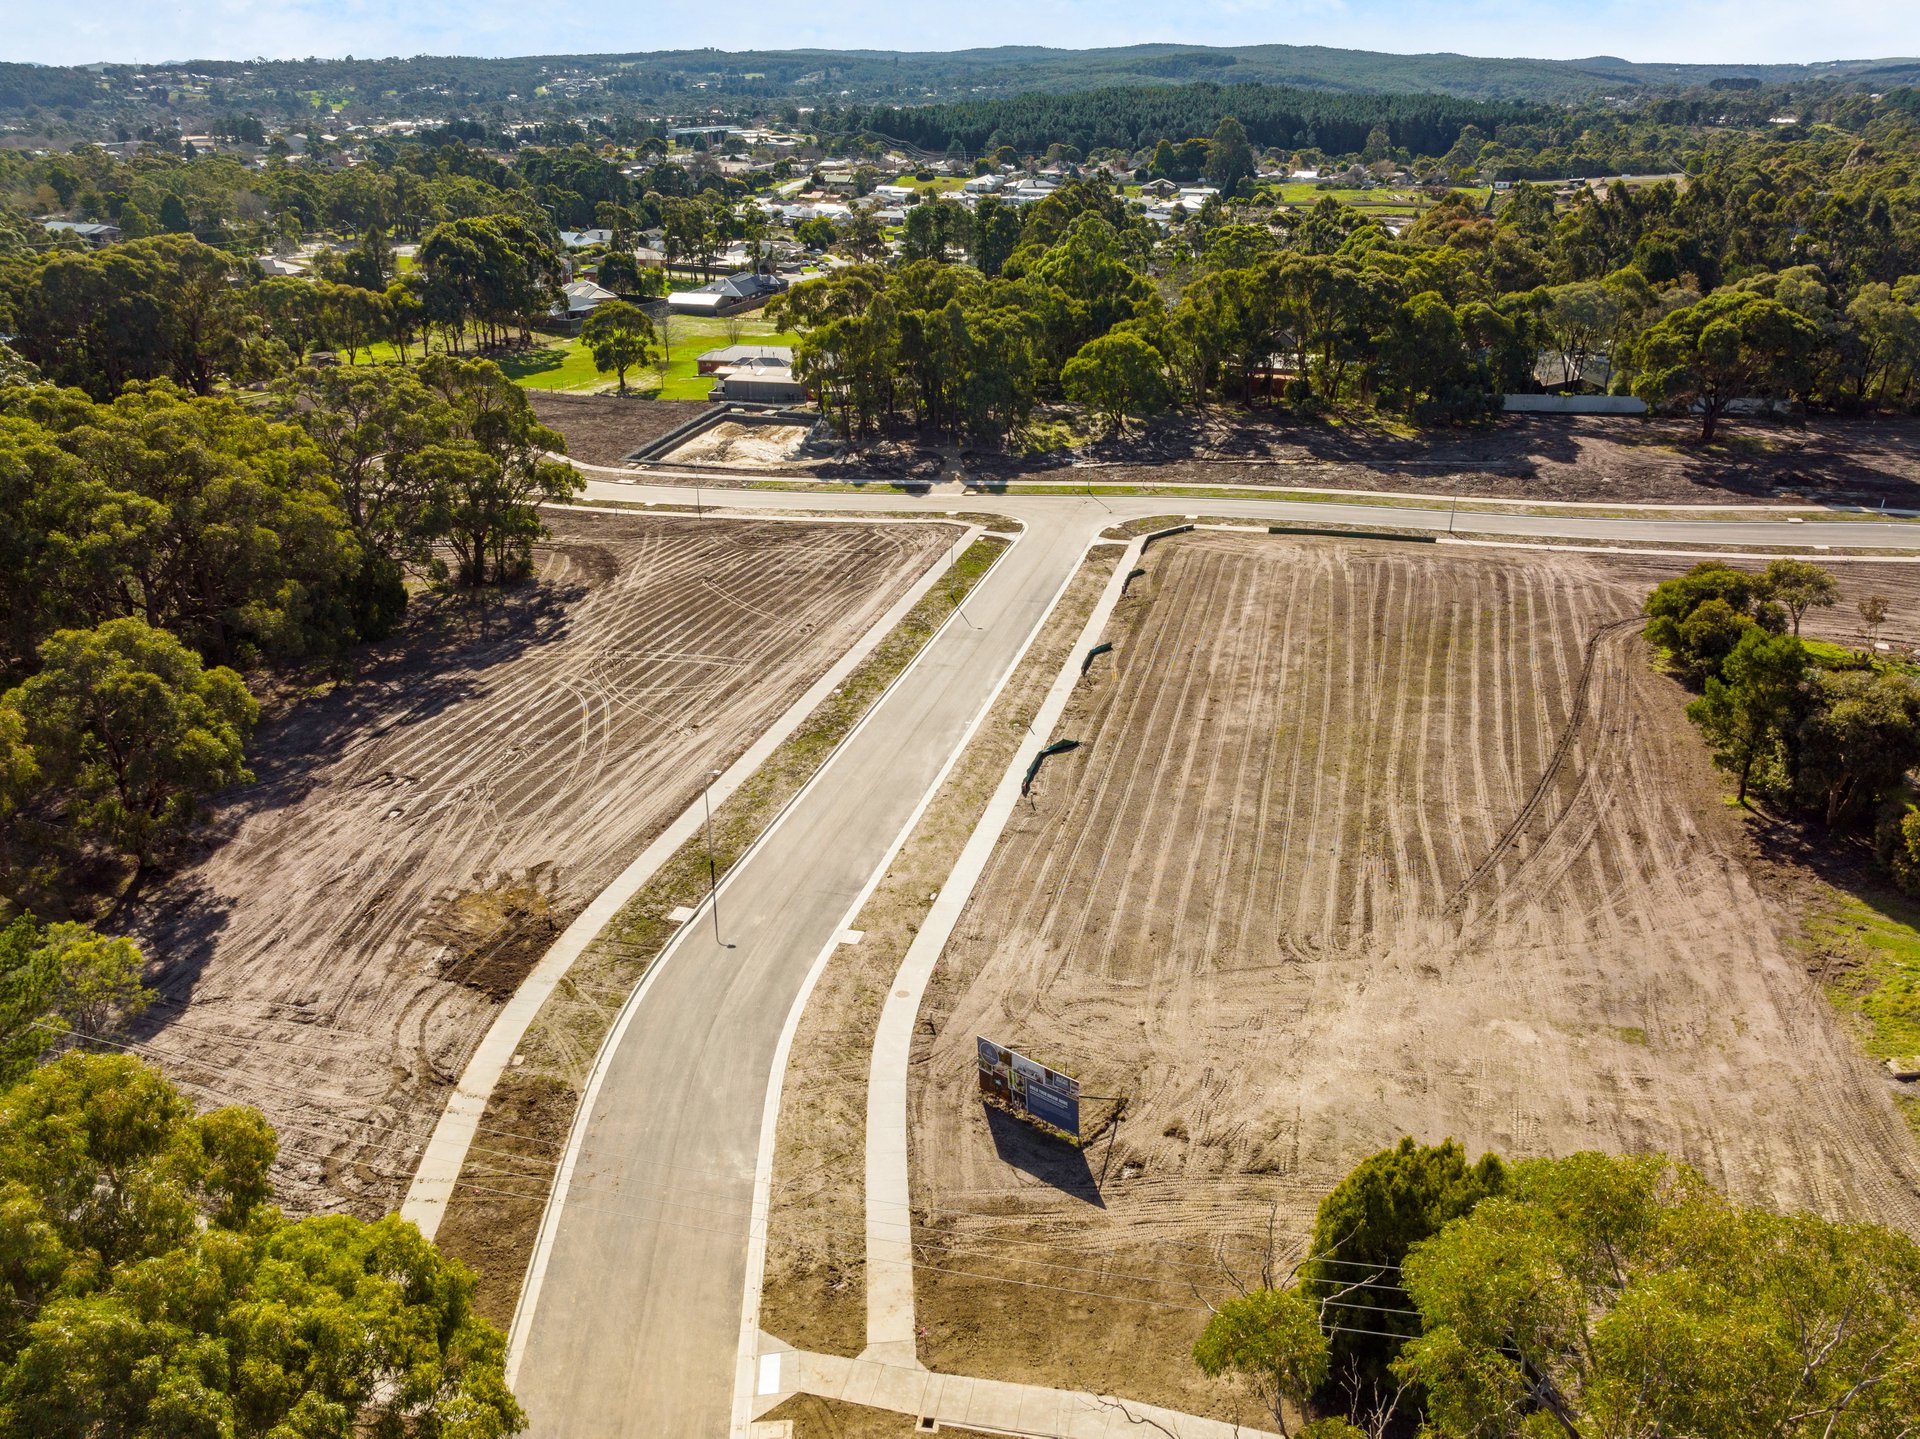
1011	1081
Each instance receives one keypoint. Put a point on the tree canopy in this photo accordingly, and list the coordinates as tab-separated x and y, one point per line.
153	1289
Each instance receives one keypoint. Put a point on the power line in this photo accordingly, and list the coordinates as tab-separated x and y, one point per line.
977	1248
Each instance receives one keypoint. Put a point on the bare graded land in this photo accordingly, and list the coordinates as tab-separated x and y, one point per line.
605	429
1363	840
1862	461
416	839
746	447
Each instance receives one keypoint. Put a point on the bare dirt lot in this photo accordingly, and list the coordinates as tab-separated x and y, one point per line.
605	429
749	447
1362	840
416	839
1544	457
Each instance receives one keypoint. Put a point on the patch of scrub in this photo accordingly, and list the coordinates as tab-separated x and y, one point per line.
1867	949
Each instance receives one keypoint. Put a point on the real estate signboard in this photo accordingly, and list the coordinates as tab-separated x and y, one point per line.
1011	1081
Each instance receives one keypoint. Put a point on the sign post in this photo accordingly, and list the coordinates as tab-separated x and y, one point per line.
1045	1098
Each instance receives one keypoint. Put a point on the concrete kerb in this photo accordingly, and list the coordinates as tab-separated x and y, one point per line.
752	1342
557	1194
1823	555
446	1152
957	1403
889	1227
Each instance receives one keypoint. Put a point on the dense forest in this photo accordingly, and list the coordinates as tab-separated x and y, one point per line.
1127	119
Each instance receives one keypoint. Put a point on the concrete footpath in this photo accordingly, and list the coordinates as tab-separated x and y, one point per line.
890	1306
984	1406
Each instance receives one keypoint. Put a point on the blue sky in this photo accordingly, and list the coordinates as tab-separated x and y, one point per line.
1718	30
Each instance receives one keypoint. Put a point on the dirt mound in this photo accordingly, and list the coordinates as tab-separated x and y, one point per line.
490	937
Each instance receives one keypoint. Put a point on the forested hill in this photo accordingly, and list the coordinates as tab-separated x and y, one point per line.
1319	67
1281	117
452	85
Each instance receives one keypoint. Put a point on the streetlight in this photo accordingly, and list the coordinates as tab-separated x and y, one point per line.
713	875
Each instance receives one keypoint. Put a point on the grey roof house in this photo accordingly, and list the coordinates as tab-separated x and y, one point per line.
744	291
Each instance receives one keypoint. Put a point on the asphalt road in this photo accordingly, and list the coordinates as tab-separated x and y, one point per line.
632	1324
636	1322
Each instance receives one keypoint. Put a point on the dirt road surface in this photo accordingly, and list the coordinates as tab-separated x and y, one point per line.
1362	840
416	839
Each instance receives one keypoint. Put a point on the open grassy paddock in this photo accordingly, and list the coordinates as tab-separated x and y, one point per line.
563	364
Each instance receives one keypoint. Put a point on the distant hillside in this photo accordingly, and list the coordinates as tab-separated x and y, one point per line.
687	80
1319	67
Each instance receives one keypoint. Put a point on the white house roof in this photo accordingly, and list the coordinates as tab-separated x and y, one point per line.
583	295
749	355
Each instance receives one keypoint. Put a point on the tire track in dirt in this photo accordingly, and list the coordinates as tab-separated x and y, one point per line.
498	756
1544	785
1371	861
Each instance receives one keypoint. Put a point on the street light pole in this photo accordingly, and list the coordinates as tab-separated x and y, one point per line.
713	876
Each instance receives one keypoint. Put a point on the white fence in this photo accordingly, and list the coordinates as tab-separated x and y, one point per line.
1573	405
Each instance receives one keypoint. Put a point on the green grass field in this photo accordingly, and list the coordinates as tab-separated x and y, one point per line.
692	337
566	364
1405	201
560	365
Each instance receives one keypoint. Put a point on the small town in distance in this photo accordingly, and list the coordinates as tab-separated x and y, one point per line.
1206	738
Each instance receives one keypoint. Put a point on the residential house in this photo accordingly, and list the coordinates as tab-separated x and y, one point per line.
731	355
769	383
93	236
580	299
729	296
